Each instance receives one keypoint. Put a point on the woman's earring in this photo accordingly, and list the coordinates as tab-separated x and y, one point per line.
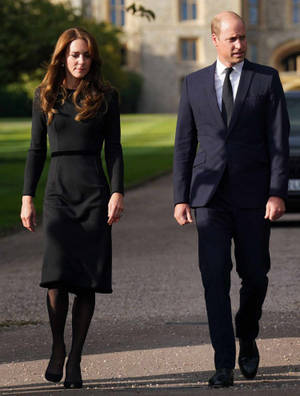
62	65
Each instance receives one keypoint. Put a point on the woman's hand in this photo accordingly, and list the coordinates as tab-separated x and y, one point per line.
115	208
28	213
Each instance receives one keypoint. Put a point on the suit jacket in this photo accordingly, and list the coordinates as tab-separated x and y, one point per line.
254	148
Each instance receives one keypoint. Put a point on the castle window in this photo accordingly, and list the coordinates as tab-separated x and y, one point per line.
188	49
253	12
187	9
253	52
296	11
117	12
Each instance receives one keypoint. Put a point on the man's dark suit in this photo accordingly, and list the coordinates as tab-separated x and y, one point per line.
228	174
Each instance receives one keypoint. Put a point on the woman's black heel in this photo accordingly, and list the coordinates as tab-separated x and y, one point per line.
54	372
73	378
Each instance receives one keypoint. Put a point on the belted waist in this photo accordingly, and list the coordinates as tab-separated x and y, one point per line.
74	152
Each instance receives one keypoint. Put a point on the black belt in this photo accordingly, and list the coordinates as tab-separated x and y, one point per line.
74	152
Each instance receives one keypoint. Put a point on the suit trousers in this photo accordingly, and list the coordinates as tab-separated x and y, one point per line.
218	224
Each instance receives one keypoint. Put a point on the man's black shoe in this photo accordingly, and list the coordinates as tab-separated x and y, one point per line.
248	358
222	378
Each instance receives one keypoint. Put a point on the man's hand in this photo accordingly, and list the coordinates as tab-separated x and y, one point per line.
182	214
275	208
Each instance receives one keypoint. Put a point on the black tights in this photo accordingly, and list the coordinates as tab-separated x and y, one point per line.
82	313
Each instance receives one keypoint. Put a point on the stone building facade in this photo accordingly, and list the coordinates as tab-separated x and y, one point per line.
178	41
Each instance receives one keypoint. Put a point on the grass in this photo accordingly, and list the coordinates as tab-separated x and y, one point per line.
147	143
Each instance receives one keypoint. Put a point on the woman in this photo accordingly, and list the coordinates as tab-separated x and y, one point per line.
78	112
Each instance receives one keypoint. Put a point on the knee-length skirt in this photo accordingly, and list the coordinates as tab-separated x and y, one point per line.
77	238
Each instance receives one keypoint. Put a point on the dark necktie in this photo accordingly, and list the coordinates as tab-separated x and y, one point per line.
227	98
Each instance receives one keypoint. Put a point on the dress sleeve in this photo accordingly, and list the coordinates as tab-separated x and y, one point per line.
113	148
38	148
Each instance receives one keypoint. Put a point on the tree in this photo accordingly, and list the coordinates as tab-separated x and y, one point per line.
140	10
29	31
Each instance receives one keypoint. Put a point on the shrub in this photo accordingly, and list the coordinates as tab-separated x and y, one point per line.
130	92
14	101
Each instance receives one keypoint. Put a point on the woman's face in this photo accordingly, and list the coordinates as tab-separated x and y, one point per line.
77	60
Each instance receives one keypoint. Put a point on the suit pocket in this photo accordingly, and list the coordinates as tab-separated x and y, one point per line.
200	159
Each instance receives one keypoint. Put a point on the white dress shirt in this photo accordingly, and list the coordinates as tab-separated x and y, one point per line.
220	74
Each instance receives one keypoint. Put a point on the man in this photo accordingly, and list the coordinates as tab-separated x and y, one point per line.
231	165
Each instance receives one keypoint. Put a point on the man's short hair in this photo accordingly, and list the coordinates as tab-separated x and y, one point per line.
216	22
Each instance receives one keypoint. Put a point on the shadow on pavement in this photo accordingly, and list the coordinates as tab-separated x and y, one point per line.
276	380
286	224
25	343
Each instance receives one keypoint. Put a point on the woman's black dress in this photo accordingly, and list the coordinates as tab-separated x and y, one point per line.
77	253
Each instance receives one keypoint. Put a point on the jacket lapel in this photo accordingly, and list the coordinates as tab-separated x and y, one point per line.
245	80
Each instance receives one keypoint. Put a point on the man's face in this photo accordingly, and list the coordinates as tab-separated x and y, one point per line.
231	43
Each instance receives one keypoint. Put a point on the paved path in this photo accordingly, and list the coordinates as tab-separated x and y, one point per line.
150	335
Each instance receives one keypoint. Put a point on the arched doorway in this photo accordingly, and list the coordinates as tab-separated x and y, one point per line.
291	63
286	59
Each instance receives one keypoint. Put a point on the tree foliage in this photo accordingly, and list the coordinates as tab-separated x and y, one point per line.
29	31
140	10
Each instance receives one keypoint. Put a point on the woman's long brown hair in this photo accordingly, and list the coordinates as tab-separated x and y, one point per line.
89	95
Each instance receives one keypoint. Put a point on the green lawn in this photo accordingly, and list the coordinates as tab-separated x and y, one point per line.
147	142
